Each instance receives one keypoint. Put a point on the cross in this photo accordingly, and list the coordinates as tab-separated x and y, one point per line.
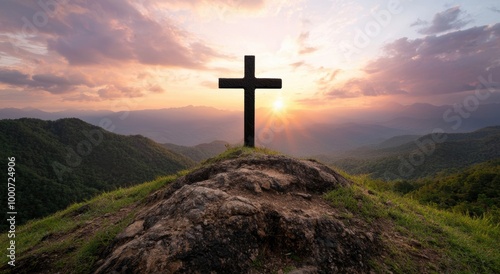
249	83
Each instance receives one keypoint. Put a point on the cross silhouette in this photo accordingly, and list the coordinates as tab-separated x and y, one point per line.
249	83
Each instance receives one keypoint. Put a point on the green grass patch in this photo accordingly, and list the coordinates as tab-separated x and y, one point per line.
88	253
465	244
355	202
240	151
54	233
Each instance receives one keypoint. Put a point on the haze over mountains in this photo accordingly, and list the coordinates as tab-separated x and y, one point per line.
408	157
199	152
299	133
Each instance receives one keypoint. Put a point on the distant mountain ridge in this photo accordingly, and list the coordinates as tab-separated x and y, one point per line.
297	132
421	157
185	126
199	152
65	161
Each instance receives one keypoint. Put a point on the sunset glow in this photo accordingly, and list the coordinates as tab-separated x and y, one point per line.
278	105
57	55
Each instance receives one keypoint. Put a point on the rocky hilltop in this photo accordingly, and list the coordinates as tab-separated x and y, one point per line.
250	211
253	214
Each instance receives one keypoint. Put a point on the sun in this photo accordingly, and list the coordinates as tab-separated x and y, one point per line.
278	105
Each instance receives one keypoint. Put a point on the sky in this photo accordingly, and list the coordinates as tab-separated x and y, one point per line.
144	54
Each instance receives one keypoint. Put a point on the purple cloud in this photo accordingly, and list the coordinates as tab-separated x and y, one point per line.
34	17
114	92
495	9
450	19
419	22
445	64
93	32
13	77
247	5
52	83
362	87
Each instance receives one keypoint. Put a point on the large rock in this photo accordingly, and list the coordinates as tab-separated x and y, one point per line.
254	214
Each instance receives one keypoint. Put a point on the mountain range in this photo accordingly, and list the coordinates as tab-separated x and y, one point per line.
296	132
287	214
61	162
409	156
199	152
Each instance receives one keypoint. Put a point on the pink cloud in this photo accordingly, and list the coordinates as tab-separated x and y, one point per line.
52	83
115	92
450	63
303	46
98	32
234	5
56	39
440	64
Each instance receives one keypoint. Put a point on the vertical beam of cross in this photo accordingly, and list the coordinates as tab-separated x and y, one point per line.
249	83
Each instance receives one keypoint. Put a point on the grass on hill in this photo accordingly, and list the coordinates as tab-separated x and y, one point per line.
452	242
428	239
239	151
79	232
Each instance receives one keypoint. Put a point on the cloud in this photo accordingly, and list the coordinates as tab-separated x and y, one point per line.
35	18
156	89
14	77
219	4
114	30
495	9
55	84
327	76
450	19
450	63
82	97
68	48
419	22
115	92
444	64
219	9
312	101
302	44
96	32
360	87
296	65
110	92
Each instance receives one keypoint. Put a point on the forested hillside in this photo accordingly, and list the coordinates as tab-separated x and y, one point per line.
65	161
474	190
426	156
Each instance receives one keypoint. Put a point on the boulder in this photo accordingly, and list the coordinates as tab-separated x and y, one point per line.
253	214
